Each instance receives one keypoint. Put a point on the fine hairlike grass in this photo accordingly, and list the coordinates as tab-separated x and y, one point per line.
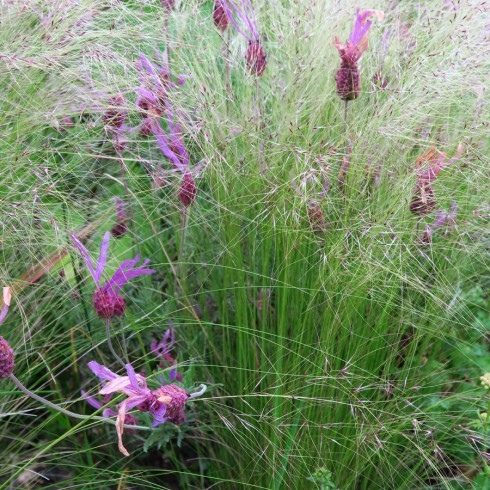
340	350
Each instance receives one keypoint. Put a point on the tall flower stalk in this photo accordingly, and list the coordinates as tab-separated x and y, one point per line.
153	99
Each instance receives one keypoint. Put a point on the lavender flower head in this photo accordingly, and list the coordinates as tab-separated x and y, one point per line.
115	116
166	403
164	350
428	166
107	300
244	20
153	99
219	16
168	4
6	352
348	78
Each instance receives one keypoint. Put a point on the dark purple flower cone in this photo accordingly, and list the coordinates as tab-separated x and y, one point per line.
316	218
219	16
348	80
188	190
6	358
423	200
119	229
108	304
175	399
115	117
256	59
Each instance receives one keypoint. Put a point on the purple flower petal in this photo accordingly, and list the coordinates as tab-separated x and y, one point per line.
242	18
102	372
101	262
86	256
164	144
91	400
132	377
125	272
109	412
6	303
158	414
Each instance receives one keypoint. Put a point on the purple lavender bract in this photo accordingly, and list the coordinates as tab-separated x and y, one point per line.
164	350
107	300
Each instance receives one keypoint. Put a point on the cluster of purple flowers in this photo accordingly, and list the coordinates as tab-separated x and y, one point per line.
166	403
154	103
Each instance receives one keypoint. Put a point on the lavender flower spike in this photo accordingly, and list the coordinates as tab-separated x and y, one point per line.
165	403
107	300
244	20
348	78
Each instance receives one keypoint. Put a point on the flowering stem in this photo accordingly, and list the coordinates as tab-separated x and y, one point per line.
346	113
56	407
184	227
226	53
126	187
109	342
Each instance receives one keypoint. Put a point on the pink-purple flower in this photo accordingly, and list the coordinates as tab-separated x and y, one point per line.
428	166
164	349
107	299
219	15
166	403
244	20
129	419
348	78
